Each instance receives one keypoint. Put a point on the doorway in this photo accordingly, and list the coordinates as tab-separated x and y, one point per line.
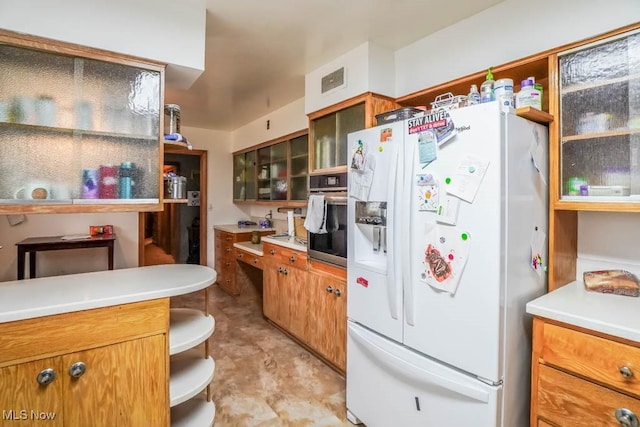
178	233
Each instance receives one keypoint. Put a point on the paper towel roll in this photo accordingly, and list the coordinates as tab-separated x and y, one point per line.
291	229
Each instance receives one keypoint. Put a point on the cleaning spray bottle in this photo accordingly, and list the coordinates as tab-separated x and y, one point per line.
486	89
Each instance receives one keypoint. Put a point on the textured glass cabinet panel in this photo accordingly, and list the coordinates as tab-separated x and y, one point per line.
600	121
299	167
330	136
72	129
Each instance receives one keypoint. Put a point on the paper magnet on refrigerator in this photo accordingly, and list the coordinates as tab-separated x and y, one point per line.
359	155
445	257
427	192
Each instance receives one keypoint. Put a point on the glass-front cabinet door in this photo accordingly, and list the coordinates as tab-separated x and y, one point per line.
244	172
273	171
77	130
330	136
299	148
600	121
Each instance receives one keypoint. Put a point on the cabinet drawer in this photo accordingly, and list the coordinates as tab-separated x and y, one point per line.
610	363
567	400
285	256
249	258
54	335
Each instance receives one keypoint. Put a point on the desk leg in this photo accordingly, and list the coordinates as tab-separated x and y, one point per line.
32	264
21	255
110	247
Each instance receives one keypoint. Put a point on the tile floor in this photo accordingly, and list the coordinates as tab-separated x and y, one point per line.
262	377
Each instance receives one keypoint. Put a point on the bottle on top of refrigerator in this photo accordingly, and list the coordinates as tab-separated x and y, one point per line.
474	96
503	91
528	96
486	88
537	86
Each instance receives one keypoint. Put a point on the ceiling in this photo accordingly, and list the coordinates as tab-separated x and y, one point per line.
258	52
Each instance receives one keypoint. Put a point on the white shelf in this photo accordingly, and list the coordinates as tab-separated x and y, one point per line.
190	373
188	328
196	412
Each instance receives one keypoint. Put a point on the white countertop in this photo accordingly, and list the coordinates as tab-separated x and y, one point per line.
615	315
44	296
289	242
254	248
233	228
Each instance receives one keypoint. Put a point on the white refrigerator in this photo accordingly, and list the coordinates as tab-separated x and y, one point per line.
447	220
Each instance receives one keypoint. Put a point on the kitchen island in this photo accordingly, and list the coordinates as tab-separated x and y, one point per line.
586	358
91	348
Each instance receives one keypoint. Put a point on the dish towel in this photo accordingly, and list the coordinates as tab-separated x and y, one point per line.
316	214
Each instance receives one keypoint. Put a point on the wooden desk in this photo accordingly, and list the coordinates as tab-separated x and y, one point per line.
54	243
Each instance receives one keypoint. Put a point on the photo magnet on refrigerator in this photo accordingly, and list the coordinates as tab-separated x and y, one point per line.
445	257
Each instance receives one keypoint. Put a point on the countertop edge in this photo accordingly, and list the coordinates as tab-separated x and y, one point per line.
614	315
288	243
233	228
86	291
254	248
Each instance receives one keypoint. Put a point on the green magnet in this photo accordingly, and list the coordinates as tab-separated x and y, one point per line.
380	148
472	169
464	236
447	180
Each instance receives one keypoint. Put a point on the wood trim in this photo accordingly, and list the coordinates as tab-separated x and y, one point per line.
72	49
273	141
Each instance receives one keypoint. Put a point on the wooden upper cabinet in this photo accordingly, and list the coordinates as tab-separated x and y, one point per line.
76	122
274	171
329	127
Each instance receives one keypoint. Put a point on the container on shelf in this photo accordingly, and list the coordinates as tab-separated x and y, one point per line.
503	92
175	187
398	115
528	96
172	121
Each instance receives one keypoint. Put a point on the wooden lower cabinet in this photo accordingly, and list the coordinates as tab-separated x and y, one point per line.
110	379
308	300
583	379
225	257
328	313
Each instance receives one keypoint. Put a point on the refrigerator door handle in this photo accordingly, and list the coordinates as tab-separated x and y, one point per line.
401	366
407	213
392	233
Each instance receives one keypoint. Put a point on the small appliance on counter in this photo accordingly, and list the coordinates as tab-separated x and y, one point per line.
175	187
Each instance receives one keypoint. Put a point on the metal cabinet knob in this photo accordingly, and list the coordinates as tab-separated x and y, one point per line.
255	260
227	264
329	289
337	292
272	251
46	376
292	259
228	249
77	369
625	371
285	271
240	254
227	239
279	269
626	418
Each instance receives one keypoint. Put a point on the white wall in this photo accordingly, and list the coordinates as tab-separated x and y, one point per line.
508	31
69	261
368	68
172	32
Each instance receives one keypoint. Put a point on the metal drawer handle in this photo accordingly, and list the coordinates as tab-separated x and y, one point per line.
625	372
46	376
329	289
272	251
337	293
626	418
227	238
228	249
255	260
292	259
77	369
239	254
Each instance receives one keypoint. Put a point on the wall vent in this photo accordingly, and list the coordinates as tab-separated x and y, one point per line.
333	80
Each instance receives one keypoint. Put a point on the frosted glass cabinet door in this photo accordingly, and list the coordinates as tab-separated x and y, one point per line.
299	167
330	136
77	130
600	121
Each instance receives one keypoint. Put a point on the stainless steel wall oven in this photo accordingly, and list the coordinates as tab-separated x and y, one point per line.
331	246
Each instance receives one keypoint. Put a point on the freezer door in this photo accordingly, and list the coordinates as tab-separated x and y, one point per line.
374	273
390	385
